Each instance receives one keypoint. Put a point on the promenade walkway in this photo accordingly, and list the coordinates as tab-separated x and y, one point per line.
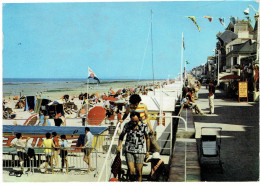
240	136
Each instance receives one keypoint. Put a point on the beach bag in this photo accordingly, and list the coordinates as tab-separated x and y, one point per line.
154	146
116	166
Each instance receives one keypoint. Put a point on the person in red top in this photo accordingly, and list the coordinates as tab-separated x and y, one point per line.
56	150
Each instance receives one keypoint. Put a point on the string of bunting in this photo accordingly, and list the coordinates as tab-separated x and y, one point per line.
221	20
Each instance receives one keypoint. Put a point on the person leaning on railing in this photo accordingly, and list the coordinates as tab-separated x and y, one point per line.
20	145
48	144
64	153
88	147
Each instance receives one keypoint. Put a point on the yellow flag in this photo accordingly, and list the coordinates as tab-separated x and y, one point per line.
193	18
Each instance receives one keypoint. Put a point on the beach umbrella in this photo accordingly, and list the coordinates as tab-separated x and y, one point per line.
31	120
96	115
109	98
112	92
230	77
119	91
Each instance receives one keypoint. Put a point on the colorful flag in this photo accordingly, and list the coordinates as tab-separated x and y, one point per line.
193	18
91	74
209	18
221	20
183	45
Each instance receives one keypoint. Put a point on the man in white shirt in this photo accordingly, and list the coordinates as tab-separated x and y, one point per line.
88	147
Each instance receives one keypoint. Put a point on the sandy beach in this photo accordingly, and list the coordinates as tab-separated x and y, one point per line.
55	90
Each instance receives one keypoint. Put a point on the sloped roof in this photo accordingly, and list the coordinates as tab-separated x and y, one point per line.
246	47
227	36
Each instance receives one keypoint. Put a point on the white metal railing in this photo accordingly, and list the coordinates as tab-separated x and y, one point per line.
35	161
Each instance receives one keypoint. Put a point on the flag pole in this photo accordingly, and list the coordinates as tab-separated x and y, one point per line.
181	59
87	102
185	70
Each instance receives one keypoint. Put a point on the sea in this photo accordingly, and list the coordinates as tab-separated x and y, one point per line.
54	88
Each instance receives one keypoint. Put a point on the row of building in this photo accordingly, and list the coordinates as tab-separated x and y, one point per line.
236	58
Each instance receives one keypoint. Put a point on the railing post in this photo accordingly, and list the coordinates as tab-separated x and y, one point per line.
171	137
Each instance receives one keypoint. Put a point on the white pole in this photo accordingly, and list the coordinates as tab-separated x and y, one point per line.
181	59
185	70
87	103
161	104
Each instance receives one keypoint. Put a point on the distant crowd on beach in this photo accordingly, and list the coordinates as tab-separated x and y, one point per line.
69	107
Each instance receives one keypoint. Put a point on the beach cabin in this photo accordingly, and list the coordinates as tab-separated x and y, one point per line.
41	105
30	102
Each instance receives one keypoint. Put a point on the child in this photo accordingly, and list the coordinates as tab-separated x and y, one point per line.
64	153
56	150
48	143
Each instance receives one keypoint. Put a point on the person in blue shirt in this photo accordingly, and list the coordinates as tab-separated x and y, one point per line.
64	153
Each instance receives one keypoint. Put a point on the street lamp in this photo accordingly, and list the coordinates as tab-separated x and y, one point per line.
246	11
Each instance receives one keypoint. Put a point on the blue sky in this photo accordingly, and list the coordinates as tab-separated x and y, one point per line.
60	40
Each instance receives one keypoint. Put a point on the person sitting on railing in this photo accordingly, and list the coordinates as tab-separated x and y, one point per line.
64	153
136	132
20	145
48	144
191	103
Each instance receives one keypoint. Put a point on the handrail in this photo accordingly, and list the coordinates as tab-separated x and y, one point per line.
108	152
185	122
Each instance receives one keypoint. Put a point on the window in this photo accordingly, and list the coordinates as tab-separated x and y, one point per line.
234	60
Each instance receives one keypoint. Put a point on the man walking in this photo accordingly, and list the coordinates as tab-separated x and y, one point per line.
137	132
88	148
211	96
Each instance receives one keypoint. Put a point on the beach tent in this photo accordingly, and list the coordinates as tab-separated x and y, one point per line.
41	104
30	102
